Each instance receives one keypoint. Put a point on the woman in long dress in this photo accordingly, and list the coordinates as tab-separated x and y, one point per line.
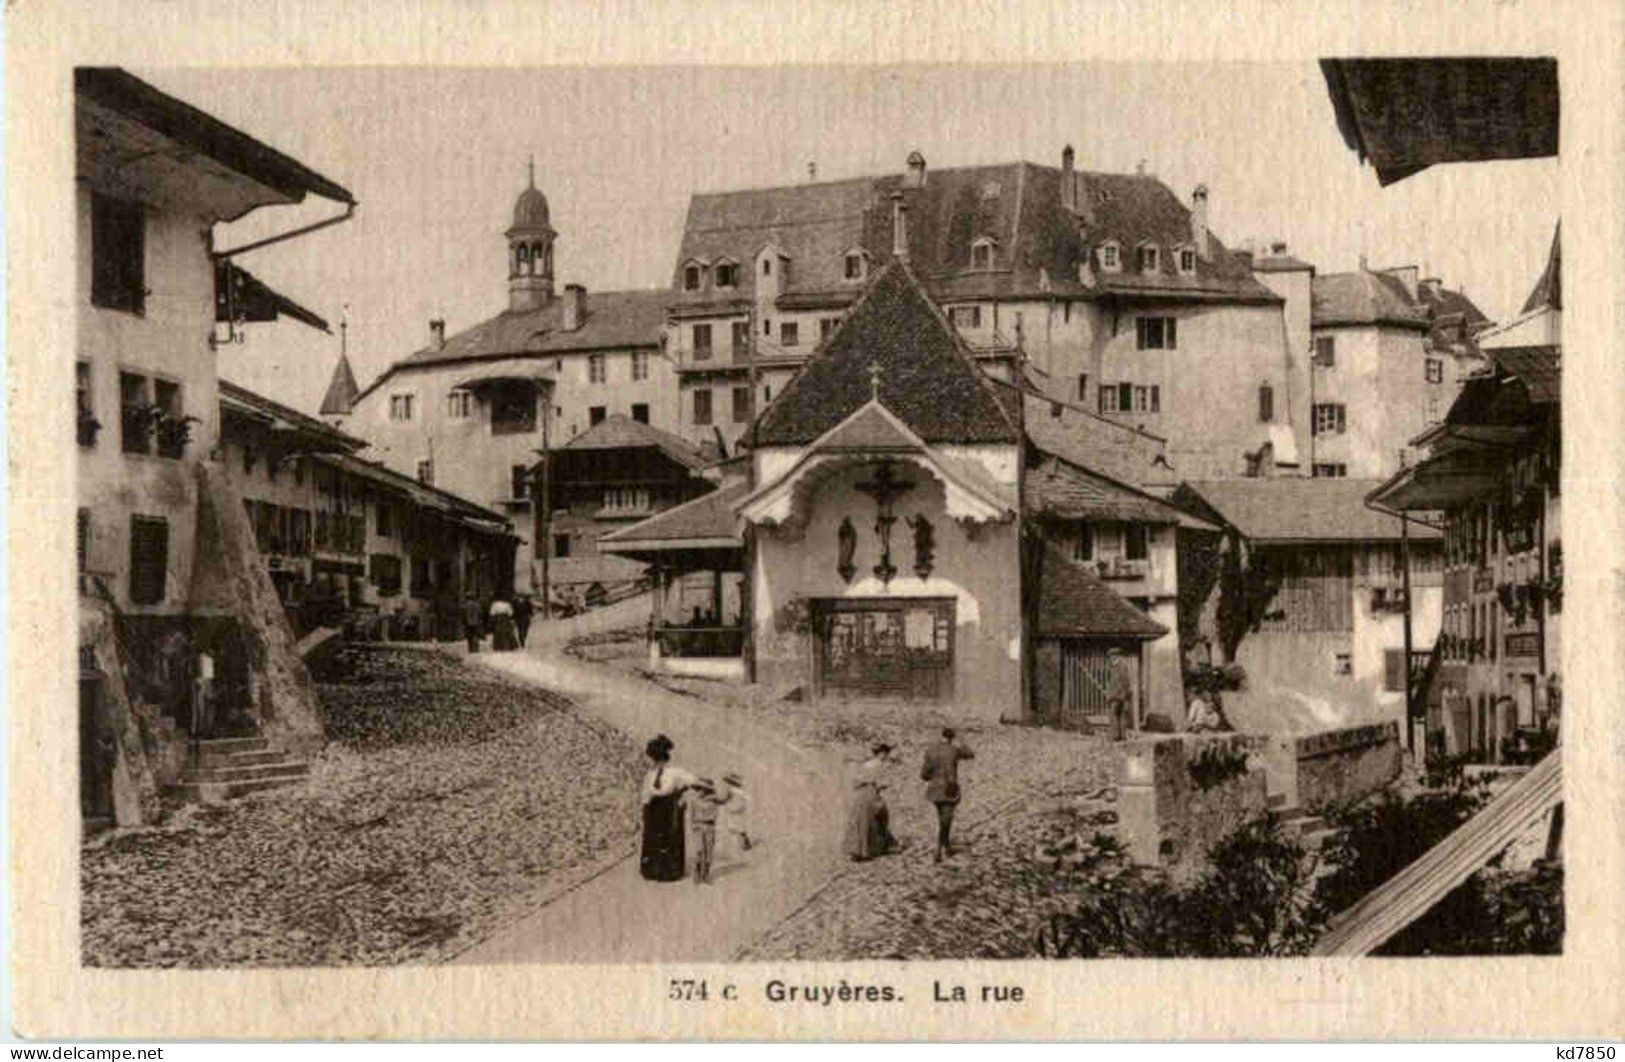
868	820
663	856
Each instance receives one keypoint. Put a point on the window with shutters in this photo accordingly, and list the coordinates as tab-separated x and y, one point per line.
1108	398
702	406
1156	333
118	278
790	334
640	365
1326	351
1147	398
1266	403
741	400
400	407
1330	418
1136	543
1110	260
149	559
597	368
702	342
459	404
1083	545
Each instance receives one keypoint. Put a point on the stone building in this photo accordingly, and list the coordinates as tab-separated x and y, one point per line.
471	410
349	543
1377	355
1493	468
907	526
172	589
1111	292
1305	590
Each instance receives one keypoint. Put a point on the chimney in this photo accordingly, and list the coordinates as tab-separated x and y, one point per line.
1406	275
1199	220
1278	249
899	227
915	178
437	333
1430	286
575	307
1069	180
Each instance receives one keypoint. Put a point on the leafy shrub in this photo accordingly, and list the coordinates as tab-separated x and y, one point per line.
1216	764
1256	898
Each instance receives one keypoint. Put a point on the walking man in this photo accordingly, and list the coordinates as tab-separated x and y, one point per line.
940	772
1120	693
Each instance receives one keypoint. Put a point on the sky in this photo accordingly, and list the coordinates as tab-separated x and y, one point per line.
436	157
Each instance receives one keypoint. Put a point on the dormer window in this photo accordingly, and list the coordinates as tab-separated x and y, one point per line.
727	274
856	265
981	254
1150	258
692	276
1110	260
1187	260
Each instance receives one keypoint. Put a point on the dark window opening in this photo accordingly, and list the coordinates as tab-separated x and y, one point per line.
596	414
520	478
790	334
118	255
702	406
640	412
1266	403
561	545
149	559
741	403
1136	545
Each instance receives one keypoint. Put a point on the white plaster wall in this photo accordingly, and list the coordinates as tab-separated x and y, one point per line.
169	339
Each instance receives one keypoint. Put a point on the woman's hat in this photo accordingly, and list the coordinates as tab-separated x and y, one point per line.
660	743
947	733
733	779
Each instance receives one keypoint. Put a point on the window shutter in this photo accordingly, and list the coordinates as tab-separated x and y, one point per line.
1125	397
1139	332
1156	398
149	559
1266	403
1393	670
1171	333
1083	385
1105	390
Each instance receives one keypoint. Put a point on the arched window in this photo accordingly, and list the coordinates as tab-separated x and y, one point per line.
522	259
1266	403
538	259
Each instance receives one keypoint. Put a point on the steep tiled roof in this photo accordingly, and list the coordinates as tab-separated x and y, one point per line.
1075	603
1540	369
927	377
709	518
1093	442
613	320
1548	290
267	407
1300	510
341	390
1038	243
1063	491
620	432
1363	298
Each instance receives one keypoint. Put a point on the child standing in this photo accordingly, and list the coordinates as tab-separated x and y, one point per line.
702	813
736	810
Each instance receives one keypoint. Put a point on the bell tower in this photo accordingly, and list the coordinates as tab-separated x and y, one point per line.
530	250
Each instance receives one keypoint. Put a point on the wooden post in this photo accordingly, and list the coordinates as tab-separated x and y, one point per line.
546	504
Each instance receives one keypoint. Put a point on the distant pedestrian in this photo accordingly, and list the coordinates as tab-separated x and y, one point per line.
472	615
736	810
663	853
940	772
868	819
522	611
1120	692
703	807
502	634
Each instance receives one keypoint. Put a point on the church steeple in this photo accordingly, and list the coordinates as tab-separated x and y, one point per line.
341	389
530	249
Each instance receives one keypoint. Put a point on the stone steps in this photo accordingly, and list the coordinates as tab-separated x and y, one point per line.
233	767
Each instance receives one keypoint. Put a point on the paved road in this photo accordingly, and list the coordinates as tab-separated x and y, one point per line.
796	797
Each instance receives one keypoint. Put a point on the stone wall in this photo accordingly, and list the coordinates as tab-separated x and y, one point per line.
230	580
1165	817
1334	766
